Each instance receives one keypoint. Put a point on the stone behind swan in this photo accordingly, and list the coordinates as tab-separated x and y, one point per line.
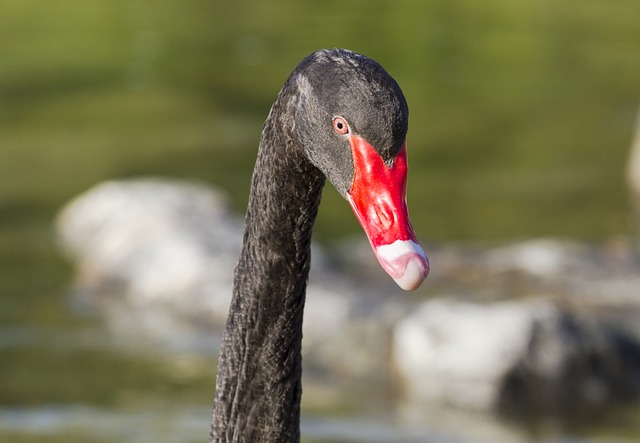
154	257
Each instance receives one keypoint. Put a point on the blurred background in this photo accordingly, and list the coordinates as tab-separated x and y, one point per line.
522	118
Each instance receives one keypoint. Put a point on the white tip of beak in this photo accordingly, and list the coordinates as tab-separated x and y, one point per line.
414	275
405	262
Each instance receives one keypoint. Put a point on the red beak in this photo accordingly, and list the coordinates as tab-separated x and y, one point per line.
378	198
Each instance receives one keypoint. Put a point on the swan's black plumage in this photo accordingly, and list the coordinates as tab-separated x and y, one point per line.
258	387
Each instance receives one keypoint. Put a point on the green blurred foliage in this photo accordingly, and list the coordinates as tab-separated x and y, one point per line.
521	112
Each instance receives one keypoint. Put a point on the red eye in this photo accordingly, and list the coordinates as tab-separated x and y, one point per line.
340	126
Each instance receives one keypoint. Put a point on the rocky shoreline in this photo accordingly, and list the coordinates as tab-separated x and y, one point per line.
542	326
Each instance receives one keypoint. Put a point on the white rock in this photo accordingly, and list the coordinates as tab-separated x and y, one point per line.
154	240
457	352
156	256
523	357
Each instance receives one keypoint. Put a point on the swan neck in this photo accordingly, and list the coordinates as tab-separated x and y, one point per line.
258	387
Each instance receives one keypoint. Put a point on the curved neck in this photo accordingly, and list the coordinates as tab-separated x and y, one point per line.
258	386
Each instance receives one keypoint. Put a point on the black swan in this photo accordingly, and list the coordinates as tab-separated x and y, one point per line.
339	115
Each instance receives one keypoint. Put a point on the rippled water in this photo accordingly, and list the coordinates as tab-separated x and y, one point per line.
78	384
183	424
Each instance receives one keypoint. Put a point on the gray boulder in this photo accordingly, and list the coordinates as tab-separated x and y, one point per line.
155	257
526	358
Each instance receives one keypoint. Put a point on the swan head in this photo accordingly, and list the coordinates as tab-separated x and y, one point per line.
350	118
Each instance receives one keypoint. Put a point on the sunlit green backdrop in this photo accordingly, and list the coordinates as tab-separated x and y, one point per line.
521	111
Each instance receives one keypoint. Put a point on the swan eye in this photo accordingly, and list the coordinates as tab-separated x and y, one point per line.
340	126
